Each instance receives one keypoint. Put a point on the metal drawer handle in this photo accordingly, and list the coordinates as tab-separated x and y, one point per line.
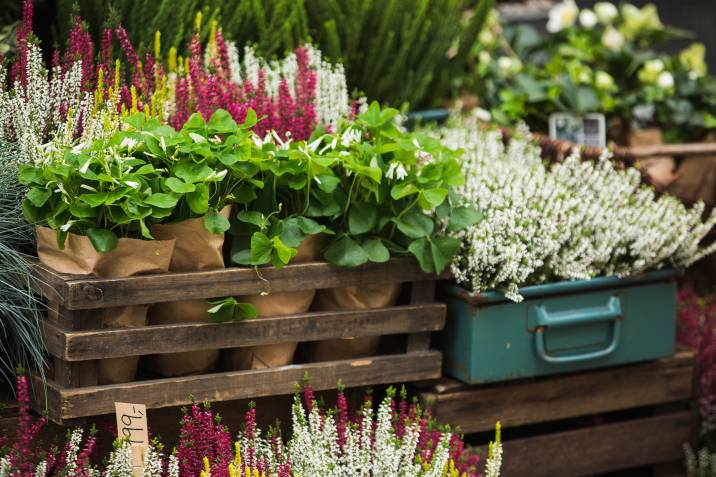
612	312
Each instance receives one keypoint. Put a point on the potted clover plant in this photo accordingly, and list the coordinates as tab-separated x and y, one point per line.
93	205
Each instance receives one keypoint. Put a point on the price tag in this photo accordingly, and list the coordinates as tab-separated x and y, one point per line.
132	424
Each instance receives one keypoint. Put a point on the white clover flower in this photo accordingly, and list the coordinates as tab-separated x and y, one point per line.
665	80
606	12
350	136
561	16
128	143
484	57
612	38
588	19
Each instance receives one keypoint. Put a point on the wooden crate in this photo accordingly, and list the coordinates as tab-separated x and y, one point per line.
76	341
644	417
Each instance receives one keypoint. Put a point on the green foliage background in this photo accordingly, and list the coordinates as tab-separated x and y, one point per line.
395	51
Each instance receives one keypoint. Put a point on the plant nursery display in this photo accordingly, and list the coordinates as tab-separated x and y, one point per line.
390	56
600	60
395	439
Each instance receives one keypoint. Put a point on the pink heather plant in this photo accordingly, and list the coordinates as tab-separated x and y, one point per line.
202	436
696	328
82	95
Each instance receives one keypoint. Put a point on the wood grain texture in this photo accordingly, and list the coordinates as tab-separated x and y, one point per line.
475	409
599	449
113	343
79	292
69	403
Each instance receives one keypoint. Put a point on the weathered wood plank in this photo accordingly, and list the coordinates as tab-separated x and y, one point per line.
77	292
421	292
64	372
549	399
315	326
68	403
599	449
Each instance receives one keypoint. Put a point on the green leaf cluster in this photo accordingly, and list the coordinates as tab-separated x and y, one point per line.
373	189
147	174
614	67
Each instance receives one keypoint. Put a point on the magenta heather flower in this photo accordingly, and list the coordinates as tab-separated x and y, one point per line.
202	436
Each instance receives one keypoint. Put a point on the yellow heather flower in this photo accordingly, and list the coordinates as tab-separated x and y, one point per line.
172	59
157	44
197	21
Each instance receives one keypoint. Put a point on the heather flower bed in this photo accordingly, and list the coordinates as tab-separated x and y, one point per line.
395	439
572	220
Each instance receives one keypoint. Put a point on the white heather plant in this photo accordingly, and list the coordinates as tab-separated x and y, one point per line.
573	220
332	99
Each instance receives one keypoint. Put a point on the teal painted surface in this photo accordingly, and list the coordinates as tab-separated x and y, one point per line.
558	328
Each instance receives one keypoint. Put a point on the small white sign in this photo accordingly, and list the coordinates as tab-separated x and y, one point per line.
132	425
588	129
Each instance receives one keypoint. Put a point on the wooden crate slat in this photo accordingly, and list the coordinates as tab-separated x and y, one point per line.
69	403
114	343
79	292
560	397
599	449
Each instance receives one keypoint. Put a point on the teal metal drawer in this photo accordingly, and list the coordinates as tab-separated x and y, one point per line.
559	327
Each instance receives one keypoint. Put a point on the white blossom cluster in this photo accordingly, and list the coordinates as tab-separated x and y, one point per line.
332	100
313	448
30	116
574	220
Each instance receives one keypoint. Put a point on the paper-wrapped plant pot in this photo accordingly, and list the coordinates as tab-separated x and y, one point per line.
378	295
276	304
196	250
131	257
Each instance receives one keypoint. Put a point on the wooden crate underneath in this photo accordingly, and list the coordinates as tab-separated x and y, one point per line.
76	341
581	424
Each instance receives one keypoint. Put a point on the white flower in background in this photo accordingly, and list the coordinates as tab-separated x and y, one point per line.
603	81
484	57
606	12
650	72
665	80
482	115
612	38
509	65
588	19
561	16
486	37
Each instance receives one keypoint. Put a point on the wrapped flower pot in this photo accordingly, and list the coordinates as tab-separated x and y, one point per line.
196	249
378	295
129	258
276	304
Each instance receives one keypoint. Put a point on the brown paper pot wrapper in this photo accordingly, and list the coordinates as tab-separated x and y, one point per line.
350	298
131	257
196	249
276	304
